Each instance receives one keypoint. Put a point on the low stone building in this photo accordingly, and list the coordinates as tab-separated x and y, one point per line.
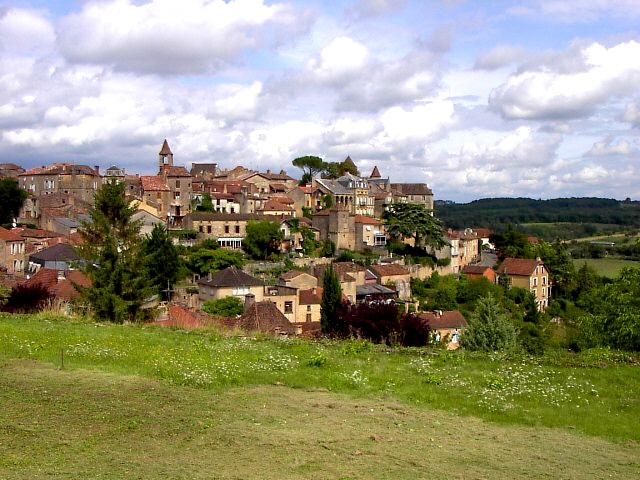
230	282
12	252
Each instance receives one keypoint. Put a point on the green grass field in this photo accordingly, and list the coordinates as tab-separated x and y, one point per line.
606	267
85	400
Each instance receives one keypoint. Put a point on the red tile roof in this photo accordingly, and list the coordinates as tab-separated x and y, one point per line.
61	286
388	270
10	235
367	220
265	317
313	296
153	183
519	266
448	319
165	150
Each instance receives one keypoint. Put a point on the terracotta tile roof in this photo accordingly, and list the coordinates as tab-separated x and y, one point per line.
265	317
37	233
231	277
367	220
313	296
275	205
176	172
448	319
482	232
62	287
153	184
62	169
291	274
518	266
308	189
387	270
476	269
10	235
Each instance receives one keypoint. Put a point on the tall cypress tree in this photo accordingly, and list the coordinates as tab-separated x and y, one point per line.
331	300
113	260
161	259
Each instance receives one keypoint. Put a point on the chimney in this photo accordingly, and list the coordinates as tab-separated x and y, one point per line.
97	167
249	301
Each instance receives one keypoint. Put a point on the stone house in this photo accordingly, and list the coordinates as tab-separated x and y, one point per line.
445	326
370	232
337	225
480	271
417	193
393	275
285	299
531	274
264	317
228	229
81	181
156	194
309	302
298	279
229	282
12	252
306	197
60	257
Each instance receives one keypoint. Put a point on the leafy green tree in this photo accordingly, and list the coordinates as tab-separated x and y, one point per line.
489	329
11	198
511	243
113	258
161	259
207	204
309	242
409	220
330	303
328	248
327	201
338	169
310	166
224	307
262	239
614	315
208	257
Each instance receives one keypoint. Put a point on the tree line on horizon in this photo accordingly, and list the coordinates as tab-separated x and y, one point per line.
498	213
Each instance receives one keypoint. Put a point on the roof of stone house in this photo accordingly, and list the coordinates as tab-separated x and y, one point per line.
448	319
367	220
60	252
264	317
275	205
200	168
412	188
476	269
388	270
308	189
171	171
231	186
482	232
231	277
153	183
282	176
10	235
10	166
165	150
60	286
332	186
374	289
226	217
37	233
312	296
375	173
62	169
462	235
291	274
519	266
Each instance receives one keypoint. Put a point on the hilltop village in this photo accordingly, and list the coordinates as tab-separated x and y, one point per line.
345	210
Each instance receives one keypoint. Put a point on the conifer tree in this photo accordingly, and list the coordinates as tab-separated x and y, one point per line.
112	258
489	328
331	300
161	259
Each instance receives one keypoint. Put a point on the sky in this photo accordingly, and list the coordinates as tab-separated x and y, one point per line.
477	99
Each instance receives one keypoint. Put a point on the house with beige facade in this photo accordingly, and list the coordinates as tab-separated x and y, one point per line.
531	274
12	252
229	229
230	282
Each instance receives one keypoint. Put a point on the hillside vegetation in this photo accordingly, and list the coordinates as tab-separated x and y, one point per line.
497	213
87	400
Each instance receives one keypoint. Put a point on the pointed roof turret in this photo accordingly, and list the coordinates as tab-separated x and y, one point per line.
375	173
165	150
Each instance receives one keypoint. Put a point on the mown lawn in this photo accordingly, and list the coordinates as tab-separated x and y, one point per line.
84	400
606	267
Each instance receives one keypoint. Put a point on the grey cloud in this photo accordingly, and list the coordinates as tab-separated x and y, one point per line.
498	57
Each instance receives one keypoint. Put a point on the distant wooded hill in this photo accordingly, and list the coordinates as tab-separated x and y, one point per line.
497	213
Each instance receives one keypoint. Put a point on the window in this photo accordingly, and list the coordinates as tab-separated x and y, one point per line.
308	308
201	229
535	281
176	195
241	290
208	228
544	280
177	183
308	317
237	228
288	307
226	229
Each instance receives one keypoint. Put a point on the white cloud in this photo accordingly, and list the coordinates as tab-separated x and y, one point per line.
632	113
498	57
341	59
24	31
601	149
542	92
169	37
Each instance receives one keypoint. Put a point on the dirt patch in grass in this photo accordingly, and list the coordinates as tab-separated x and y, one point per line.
86	424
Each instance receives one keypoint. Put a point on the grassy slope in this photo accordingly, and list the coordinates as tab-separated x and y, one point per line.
88	424
605	267
125	406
